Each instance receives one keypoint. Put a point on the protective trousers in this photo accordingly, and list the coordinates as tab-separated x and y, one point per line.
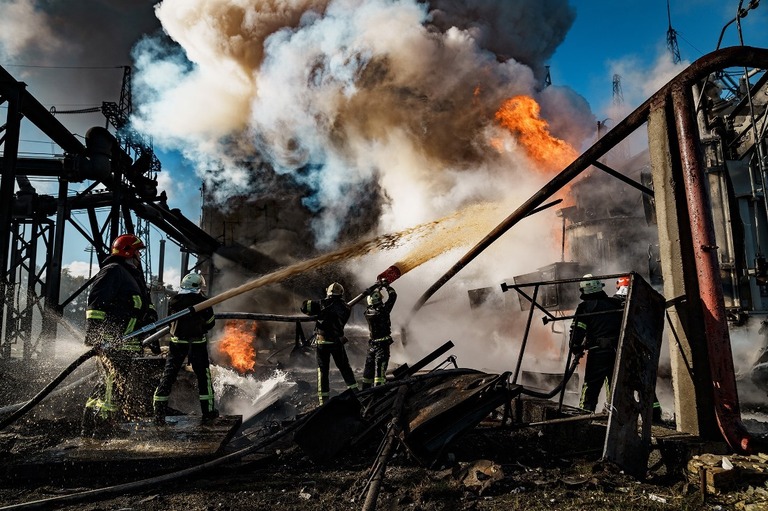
375	369
197	353
598	372
113	398
324	353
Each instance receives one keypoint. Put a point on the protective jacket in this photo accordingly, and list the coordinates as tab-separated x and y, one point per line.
332	315
379	322
599	330
193	327
118	303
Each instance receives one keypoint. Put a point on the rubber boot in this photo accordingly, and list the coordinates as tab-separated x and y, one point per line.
161	409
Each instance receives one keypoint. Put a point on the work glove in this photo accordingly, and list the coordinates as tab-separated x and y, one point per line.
577	349
150	316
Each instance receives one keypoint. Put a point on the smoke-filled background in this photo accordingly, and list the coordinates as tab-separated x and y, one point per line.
380	115
383	114
386	114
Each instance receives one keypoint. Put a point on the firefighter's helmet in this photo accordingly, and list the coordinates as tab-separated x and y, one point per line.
622	281
374	298
591	285
335	289
193	282
127	245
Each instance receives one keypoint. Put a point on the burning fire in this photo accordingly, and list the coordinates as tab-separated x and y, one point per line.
237	344
520	115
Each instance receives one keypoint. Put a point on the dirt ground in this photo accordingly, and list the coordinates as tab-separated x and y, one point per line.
489	468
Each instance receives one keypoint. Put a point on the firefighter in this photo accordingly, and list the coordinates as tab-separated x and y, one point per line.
622	291
332	314
188	340
380	335
622	288
118	304
596	328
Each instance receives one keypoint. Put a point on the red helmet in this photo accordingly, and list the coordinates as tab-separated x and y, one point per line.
622	281
126	246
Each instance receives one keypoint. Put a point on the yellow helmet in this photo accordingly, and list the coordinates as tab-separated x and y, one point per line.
335	289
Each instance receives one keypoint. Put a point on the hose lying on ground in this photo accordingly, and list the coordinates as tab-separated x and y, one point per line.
75	384
47	389
103	493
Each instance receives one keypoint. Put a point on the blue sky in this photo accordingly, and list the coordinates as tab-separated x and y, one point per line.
634	31
606	38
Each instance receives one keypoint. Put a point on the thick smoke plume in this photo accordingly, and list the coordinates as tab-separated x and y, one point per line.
347	96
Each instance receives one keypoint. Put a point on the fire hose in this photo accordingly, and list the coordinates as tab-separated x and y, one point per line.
12	408
102	493
567	376
23	409
48	388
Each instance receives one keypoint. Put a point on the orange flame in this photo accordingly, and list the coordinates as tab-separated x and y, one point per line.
237	344
520	115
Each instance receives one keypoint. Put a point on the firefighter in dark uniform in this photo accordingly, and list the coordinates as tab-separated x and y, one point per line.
622	291
332	314
596	328
380	330
118	304
188	340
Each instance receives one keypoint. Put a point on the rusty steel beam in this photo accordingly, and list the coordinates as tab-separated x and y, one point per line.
704	250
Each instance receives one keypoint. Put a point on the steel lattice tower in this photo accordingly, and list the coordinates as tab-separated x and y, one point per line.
672	39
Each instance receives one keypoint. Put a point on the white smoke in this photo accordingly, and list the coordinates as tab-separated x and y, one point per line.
350	94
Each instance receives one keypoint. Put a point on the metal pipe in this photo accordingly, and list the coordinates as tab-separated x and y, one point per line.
726	399
624	179
157	335
525	336
254	316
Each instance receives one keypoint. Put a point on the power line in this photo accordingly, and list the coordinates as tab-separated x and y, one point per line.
62	67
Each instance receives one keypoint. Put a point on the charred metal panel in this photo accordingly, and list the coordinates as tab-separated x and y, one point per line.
452	406
627	441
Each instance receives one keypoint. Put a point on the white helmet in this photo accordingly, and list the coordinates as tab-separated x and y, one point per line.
193	282
590	286
374	298
334	289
